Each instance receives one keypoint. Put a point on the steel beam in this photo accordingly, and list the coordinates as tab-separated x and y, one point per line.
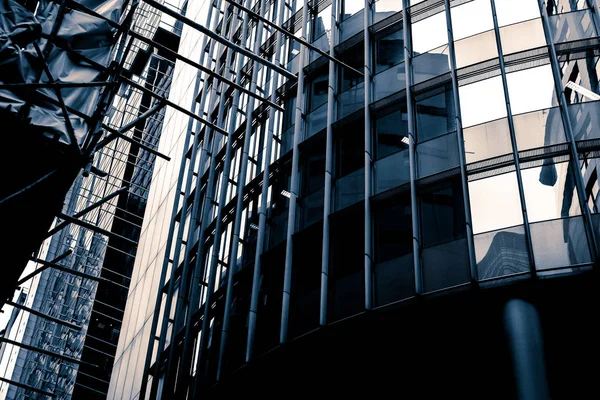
205	70
45	316
46	352
43	268
77	273
292	37
219	38
53	85
135	142
173	105
86	210
294	188
28	387
95	228
416	224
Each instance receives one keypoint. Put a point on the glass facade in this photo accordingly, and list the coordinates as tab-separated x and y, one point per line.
455	150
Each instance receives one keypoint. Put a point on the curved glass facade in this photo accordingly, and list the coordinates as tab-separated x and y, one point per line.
444	149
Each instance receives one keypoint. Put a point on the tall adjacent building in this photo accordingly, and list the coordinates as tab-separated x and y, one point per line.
354	216
60	340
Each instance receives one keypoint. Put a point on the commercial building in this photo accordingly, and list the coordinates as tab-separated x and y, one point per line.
433	160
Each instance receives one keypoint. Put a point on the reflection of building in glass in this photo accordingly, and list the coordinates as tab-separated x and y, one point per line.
507	255
372	208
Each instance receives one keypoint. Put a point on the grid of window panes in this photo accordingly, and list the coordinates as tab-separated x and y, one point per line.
473	163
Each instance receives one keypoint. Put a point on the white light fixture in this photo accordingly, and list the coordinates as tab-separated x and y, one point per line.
582	91
286	194
405	140
253	226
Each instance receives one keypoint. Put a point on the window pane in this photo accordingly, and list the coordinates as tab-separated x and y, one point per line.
585	118
539	129
482	101
501	252
550	191
389	81
572	26
389	51
445	265
385	8
429	33
531	89
511	11
435	115
495	203
431	64
437	155
391	134
559	243
522	36
475	49
442	212
487	140
392	171
471	18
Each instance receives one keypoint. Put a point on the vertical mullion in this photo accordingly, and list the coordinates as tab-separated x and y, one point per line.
262	214
241	182
294	184
412	148
331	109
513	139
461	148
368	242
564	113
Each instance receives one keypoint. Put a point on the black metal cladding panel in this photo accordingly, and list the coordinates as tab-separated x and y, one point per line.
396	101
354	40
533	155
478	72
439	177
539	162
437	82
386	26
592	145
527	59
425	9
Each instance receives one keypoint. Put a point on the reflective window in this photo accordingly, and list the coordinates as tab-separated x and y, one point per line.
442	212
487	140
539	128
580	79
317	90
437	155
354	57
322	23
435	113
559	243
502	252
393	270
571	26
471	18
385	8
429	33
482	101
531	89
475	49
431	64
351	7
512	11
349	148
389	51
562	6
522	36
550	191
391	134
495	202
